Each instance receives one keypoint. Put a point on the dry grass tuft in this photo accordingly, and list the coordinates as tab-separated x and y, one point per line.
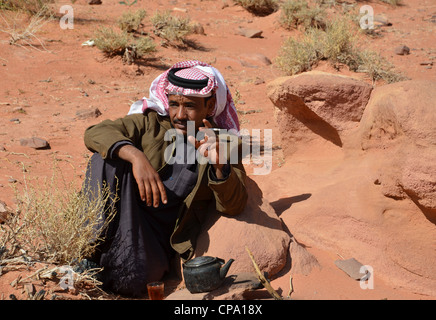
27	6
295	13
123	43
172	29
25	36
339	45
131	21
56	224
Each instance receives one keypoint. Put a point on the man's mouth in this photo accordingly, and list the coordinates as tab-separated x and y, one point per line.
181	125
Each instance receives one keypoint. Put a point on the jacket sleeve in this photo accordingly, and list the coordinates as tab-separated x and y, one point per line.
230	194
101	137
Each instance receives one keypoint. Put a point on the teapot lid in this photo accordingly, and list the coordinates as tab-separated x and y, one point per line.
200	261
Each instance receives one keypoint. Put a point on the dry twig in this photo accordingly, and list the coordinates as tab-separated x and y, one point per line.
262	278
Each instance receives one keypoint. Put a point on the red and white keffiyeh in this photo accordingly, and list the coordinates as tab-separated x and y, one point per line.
225	115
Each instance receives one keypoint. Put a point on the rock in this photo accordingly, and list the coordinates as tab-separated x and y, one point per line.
257	227
302	260
249	33
239	286
197	28
400	110
402	50
5	212
88	113
317	104
35	143
400	118
94	2
381	20
254	60
352	267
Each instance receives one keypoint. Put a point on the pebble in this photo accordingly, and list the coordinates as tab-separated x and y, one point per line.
249	33
35	143
402	50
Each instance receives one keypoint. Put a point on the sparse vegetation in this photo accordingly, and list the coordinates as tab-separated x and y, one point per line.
377	67
28	6
111	42
393	2
259	7
27	34
131	21
339	45
172	29
114	43
295	13
56	225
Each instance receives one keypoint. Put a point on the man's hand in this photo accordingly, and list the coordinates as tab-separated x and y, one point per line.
209	148
151	188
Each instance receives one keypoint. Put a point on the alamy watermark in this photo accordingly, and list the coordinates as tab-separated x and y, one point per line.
367	281
67	281
67	20
252	148
367	17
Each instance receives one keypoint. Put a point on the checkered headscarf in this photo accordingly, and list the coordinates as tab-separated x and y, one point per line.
225	115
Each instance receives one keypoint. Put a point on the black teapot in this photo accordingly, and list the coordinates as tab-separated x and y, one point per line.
204	274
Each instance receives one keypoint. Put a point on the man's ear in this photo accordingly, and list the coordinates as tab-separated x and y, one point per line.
210	105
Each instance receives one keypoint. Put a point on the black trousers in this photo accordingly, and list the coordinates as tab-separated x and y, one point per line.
137	248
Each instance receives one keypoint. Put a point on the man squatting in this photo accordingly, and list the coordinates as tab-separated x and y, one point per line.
161	206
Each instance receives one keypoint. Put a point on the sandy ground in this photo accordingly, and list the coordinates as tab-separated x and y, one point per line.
42	88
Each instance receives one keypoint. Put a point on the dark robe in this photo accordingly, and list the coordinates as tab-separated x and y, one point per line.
137	246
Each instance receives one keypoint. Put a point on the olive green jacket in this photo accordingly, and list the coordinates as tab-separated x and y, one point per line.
146	132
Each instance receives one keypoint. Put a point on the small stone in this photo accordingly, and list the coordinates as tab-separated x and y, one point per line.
249	33
402	50
88	113
352	267
197	28
35	143
92	2
5	212
426	63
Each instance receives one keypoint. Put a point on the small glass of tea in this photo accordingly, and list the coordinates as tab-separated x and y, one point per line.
155	290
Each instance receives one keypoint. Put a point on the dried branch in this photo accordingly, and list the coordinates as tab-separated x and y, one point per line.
262	278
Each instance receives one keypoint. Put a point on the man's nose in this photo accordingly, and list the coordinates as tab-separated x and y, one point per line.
181	113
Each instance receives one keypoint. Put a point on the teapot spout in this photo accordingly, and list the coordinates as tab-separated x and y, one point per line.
225	268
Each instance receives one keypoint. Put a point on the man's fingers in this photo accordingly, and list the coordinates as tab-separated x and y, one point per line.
207	124
142	190
156	194
163	193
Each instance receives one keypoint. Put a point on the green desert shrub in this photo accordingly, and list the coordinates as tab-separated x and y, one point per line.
114	43
338	44
131	21
172	29
295	13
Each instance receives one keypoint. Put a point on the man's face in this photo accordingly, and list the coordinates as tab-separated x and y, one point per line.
183	109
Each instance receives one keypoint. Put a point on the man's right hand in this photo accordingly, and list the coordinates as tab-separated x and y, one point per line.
151	188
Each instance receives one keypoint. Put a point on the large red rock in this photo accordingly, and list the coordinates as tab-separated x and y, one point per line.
403	109
401	119
373	199
258	228
317	104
